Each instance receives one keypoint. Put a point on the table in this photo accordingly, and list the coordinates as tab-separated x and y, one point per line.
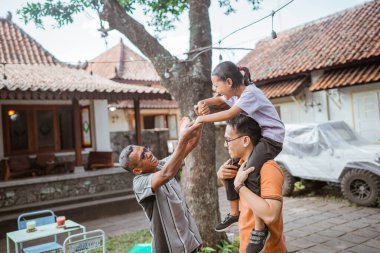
20	236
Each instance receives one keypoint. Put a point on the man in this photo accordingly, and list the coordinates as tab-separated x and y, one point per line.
242	134
172	226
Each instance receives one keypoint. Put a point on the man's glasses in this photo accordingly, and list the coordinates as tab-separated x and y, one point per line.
226	140
143	154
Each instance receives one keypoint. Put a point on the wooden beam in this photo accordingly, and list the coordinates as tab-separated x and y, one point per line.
136	107
77	133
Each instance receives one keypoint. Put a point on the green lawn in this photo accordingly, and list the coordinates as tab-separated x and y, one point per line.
125	242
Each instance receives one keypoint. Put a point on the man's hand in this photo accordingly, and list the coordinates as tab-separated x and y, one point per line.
227	171
189	130
242	175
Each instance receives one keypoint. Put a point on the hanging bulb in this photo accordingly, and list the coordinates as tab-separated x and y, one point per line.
274	34
166	74
220	57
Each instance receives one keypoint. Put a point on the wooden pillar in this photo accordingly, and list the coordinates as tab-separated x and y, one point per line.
77	133
136	108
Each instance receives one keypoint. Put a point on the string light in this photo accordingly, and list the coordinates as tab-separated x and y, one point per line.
220	54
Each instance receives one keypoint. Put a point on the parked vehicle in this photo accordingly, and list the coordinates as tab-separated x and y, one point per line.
332	152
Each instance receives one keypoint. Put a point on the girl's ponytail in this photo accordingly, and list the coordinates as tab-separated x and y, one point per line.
246	76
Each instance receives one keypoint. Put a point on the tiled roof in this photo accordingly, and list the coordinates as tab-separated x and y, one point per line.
33	73
283	88
123	63
149	104
345	37
348	76
16	46
60	79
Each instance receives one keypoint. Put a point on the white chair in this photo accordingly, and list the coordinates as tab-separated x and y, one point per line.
85	241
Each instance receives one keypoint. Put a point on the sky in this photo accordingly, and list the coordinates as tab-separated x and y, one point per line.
81	41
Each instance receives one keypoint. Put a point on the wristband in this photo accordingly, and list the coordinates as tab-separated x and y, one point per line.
237	188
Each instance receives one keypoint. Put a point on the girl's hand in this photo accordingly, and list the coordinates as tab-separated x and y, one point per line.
242	175
198	120
203	108
227	171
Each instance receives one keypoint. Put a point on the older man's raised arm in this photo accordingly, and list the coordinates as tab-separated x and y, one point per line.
189	138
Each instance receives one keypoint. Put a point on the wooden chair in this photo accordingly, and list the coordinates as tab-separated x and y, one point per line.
17	167
99	159
48	165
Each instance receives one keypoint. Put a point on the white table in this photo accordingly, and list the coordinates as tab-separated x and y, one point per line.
20	236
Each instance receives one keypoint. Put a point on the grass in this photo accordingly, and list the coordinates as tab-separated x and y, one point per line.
125	242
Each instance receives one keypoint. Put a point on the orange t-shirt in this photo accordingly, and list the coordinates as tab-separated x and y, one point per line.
272	179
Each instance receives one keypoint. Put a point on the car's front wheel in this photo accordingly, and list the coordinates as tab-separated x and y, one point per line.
361	187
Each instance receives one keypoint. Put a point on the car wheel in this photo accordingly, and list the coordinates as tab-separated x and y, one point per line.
288	187
361	187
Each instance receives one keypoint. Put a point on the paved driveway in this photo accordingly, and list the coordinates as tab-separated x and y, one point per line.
312	225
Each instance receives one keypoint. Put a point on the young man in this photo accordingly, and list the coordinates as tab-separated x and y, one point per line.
242	134
172	226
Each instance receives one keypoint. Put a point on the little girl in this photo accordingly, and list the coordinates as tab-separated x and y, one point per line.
243	96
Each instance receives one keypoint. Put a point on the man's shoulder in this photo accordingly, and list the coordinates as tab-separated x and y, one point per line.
272	167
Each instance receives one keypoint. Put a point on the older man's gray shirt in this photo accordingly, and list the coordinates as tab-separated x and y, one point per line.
174	229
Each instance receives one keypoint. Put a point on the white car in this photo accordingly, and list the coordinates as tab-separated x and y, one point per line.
332	152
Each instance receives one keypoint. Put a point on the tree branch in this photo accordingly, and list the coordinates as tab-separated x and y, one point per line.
118	19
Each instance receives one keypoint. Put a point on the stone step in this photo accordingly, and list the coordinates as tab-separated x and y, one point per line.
78	209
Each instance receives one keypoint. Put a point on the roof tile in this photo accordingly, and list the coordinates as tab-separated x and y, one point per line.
18	47
123	63
348	76
283	88
345	37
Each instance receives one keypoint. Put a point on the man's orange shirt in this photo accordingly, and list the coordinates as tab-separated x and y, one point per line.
272	179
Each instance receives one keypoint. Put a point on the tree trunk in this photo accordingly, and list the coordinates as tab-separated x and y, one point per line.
188	82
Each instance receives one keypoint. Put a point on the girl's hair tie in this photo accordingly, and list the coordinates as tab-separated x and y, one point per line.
241	68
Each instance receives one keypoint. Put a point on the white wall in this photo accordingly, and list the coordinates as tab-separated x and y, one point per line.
118	121
101	126
334	104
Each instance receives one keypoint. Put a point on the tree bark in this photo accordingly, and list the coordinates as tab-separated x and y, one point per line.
189	82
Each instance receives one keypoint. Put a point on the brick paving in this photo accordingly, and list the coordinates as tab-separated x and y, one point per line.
312	225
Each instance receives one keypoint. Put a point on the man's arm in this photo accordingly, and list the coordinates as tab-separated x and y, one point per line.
186	143
268	210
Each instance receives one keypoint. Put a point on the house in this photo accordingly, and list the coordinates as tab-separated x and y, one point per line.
324	70
48	106
123	65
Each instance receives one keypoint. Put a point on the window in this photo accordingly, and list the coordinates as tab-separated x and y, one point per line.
18	133
162	121
36	128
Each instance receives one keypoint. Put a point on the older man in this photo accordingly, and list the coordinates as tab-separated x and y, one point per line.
242	134
172	226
